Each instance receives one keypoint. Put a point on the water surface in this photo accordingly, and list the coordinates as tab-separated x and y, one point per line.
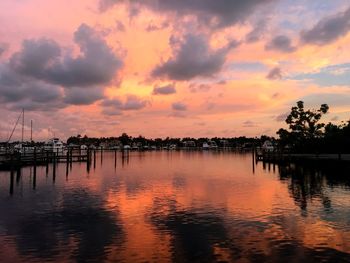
175	206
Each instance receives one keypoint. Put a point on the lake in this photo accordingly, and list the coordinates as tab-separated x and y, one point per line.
175	206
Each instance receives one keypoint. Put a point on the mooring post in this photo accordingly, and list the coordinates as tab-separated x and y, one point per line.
12	174
115	158
18	176
11	182
34	177
67	163
101	154
54	167
94	158
47	163
88	161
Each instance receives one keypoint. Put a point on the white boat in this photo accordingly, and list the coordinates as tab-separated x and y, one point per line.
205	146
54	145
173	147
212	145
83	147
126	147
20	148
268	146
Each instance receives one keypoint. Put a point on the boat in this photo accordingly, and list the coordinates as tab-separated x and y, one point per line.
212	145
268	146
54	145
126	147
205	146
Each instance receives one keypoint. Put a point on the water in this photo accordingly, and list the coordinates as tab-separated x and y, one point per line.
175	206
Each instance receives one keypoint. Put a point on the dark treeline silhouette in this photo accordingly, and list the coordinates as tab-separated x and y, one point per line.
307	134
125	139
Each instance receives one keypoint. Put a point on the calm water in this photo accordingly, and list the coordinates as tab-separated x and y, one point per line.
175	206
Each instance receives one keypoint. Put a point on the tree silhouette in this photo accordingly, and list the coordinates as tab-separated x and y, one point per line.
303	125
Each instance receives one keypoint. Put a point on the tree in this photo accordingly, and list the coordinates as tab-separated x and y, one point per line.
125	139
303	124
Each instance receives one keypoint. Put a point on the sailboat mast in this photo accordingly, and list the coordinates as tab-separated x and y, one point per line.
22	125
31	130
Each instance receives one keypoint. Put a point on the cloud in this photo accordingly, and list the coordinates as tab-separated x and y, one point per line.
178	114
42	76
120	26
35	57
327	29
116	106
247	66
83	96
179	106
274	74
193	57
334	75
249	124
104	5
335	118
164	90
332	99
257	32
282	117
42	59
19	91
281	43
152	27
194	88
134	103
217	14
3	48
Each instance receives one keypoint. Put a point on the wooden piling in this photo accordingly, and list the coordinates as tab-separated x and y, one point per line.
54	168
88	161
47	163
18	176
11	182
34	179
34	162
94	158
11	175
67	163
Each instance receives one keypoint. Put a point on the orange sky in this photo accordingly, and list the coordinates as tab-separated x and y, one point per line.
212	79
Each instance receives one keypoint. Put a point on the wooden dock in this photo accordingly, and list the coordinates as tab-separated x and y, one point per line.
9	161
275	157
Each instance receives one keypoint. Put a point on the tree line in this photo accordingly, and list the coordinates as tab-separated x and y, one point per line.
125	139
307	134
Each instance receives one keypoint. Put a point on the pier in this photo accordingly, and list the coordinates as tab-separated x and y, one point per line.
10	161
277	157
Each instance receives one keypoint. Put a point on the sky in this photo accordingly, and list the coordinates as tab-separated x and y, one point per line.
158	68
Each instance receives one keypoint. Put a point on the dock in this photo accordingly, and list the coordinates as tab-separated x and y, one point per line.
9	161
276	157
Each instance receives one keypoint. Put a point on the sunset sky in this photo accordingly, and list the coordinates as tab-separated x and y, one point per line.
170	67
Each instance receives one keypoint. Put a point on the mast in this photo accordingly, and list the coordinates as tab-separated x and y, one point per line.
22	125
31	130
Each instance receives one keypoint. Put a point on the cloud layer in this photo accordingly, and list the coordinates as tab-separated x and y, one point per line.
193	57
42	75
217	14
328	29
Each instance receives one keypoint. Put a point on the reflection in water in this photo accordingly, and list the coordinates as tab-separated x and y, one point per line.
309	183
174	206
